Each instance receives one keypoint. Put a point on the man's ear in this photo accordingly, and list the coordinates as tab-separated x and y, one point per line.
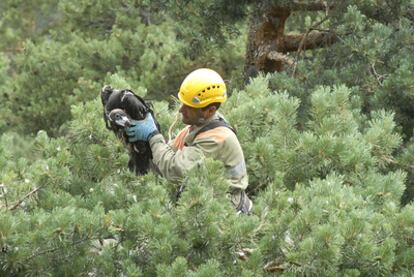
211	110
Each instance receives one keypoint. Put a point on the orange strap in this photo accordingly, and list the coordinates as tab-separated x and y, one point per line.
179	141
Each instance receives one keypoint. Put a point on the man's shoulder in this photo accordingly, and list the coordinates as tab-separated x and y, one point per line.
217	134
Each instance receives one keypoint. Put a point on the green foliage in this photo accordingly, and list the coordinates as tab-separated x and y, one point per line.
328	152
21	20
329	231
85	195
406	160
373	52
335	136
54	76
4	88
89	43
327	194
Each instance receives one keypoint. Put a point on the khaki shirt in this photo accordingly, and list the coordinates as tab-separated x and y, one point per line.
174	160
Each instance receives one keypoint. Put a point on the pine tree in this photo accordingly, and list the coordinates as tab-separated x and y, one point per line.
327	145
326	198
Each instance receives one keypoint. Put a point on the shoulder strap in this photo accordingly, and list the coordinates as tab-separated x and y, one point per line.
214	124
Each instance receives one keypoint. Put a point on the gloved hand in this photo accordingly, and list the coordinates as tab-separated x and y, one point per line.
142	130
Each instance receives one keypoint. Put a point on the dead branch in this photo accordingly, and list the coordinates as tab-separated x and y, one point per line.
305	37
5	196
279	57
244	253
378	77
24	197
311	40
274	266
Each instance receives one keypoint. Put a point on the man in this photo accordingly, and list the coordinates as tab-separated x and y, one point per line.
206	135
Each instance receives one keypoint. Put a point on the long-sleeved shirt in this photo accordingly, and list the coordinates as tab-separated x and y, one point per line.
188	149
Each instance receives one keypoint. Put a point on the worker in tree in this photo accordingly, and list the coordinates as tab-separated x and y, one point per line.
206	135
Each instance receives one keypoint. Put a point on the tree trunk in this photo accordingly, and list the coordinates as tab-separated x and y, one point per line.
268	45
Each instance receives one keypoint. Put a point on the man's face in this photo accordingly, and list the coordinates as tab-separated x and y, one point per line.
191	116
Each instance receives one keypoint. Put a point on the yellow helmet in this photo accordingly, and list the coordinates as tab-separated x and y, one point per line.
202	87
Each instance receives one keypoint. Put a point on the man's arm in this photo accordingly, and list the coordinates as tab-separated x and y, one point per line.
173	165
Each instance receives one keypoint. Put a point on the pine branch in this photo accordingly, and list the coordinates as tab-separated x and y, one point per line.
410	14
244	253
170	129
54	249
378	77
315	40
274	266
391	160
15	206
279	57
310	40
278	266
262	220
14	50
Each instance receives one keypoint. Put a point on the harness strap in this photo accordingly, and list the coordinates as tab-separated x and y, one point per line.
214	124
220	122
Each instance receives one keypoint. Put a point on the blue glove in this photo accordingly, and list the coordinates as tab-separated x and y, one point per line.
142	130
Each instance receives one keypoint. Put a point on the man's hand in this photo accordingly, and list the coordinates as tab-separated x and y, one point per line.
142	130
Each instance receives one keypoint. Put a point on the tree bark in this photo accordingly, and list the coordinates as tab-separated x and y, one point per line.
268	45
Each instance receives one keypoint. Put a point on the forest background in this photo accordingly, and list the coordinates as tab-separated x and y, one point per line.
322	96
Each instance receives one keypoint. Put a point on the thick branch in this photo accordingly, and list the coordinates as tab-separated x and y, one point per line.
267	42
314	39
279	57
273	26
310	6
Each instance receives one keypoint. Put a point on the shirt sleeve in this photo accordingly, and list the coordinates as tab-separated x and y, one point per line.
173	165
